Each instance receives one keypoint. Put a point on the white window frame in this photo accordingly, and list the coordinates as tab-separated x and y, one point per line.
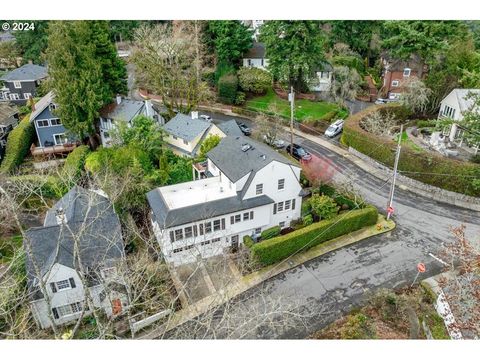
43	121
55	119
281	184
280	206
76	307
395	83
287	205
258	231
27	96
282	224
60	285
14	96
407	72
55	139
17	84
259	189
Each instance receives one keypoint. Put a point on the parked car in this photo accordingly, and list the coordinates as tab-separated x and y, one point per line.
206	118
299	152
277	143
245	129
334	129
380	101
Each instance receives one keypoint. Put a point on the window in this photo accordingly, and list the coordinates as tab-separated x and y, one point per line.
17	84
174	137
287	204
76	307
216	225
52	107
206	242
281	184
27	96
406	72
280	206
281	224
185	142
42	123
14	96
259	189
258	231
238	218
54	122
246	216
208	227
60	139
177	250
63	284
178	234
188	232
66	310
215	240
395	83
188	247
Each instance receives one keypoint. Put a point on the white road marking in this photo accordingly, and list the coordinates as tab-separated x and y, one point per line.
438	259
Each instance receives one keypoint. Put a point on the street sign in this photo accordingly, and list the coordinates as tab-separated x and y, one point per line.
421	267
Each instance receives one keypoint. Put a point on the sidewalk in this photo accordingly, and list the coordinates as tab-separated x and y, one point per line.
251	280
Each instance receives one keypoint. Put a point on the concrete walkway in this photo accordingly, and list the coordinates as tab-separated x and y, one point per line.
251	280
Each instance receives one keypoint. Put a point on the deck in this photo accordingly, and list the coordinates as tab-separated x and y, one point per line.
52	150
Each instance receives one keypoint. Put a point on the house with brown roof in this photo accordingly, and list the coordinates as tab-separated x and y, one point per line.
255	57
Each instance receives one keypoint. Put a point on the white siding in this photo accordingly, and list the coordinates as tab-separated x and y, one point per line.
451	101
256	63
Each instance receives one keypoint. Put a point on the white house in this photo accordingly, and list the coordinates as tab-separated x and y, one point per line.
255	57
124	110
187	133
323	79
250	188
82	227
453	106
254	26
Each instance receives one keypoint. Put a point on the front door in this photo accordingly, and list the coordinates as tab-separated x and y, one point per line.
234	245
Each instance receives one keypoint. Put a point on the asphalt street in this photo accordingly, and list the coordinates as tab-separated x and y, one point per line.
319	291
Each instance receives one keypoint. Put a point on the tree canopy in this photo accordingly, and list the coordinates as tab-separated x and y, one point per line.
32	44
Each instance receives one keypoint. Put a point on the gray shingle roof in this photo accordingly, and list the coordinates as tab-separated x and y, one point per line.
461	95
26	72
42	104
125	111
91	221
235	163
168	218
7	114
186	128
230	128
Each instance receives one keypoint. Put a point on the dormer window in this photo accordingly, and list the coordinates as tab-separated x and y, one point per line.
395	83
17	84
406	72
52	107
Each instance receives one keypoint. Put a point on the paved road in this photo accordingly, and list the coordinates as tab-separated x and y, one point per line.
326	287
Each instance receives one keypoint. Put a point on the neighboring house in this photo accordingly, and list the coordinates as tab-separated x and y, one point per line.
250	188
453	106
187	133
8	120
21	84
323	79
124	110
52	136
255	57
395	72
79	248
255	26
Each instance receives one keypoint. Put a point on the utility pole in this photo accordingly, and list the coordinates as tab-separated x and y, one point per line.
292	99
395	167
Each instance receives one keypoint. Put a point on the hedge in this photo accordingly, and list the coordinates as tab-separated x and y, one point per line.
271	251
427	167
227	88
18	145
50	187
75	162
254	80
248	241
271	232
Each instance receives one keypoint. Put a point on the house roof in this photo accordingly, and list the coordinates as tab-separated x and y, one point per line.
230	128
186	128
325	66
125	111
167	217
42	104
26	72
257	51
235	163
7	113
91	223
461	96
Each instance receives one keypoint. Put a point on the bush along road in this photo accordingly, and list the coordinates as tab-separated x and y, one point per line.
323	289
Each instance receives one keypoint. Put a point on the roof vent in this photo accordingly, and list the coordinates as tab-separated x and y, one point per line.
60	216
246	147
263	156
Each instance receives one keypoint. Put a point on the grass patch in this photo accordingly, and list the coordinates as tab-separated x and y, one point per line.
8	247
305	110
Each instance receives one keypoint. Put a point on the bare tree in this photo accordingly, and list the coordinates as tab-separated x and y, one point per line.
415	95
379	123
345	84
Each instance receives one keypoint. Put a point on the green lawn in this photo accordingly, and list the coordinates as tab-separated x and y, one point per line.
305	110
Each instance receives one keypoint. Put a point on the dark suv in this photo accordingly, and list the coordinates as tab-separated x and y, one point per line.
299	152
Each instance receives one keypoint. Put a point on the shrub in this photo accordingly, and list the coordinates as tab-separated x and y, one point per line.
426	123
352	62
24	110
227	88
50	187
323	206
329	116
254	80
475	159
222	69
208	144
271	232
358	326
273	250
248	241
307	220
75	162
18	145
414	166
240	98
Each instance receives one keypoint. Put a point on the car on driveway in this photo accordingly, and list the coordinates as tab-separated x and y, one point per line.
206	118
380	101
299	152
245	129
334	129
276	143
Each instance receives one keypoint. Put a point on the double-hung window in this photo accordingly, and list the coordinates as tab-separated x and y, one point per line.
216	225
42	123
17	84
188	231
63	284
259	189
281	184
178	234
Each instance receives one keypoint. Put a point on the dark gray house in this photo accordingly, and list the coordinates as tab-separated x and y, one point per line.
52	135
81	228
22	83
8	120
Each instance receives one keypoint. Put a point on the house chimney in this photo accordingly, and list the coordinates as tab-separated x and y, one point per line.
119	99
194	114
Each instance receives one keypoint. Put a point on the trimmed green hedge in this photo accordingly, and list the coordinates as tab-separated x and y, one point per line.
227	88
248	241
254	80
75	163
429	168
18	145
271	232
273	250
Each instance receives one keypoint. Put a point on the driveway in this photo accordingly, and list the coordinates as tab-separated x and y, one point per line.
320	291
